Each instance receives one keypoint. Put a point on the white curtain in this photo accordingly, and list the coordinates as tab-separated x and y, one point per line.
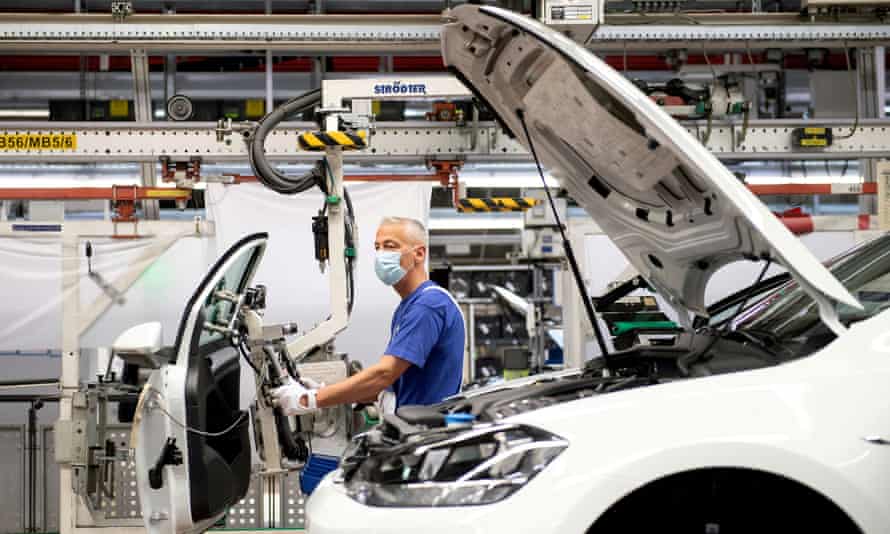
31	287
31	270
297	291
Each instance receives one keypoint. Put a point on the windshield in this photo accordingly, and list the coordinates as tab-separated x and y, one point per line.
790	316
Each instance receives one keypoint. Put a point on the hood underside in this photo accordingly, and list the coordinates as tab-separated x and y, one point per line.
674	210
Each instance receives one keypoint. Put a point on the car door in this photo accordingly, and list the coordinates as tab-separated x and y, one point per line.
191	440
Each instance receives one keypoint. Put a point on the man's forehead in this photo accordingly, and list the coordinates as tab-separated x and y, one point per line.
391	231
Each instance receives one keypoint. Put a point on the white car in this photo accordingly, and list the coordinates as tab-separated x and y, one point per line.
775	418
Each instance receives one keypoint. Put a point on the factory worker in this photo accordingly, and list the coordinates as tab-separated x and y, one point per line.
423	362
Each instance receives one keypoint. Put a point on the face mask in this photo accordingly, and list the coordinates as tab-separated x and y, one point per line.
388	266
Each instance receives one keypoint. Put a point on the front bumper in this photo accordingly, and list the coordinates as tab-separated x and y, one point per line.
331	511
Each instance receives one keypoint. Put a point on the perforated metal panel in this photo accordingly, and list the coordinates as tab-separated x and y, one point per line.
12	474
248	512
293	502
125	504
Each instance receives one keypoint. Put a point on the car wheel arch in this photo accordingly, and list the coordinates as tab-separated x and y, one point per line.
684	482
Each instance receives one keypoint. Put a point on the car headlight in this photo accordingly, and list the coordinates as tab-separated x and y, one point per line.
480	466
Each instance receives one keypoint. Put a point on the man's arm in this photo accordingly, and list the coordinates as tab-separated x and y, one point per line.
364	385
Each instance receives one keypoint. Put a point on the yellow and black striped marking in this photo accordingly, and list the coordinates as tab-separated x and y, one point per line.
469	205
322	140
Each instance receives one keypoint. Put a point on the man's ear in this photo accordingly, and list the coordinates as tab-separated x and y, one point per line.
420	253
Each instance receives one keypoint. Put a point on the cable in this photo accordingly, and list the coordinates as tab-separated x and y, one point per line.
744	301
682	15
242	349
744	134
685	362
567	245
750	56
707	136
855	86
708	62
350	242
265	172
349	226
187	428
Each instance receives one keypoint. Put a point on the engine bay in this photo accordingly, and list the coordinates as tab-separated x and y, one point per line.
693	355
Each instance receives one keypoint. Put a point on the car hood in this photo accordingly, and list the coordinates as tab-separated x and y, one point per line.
674	210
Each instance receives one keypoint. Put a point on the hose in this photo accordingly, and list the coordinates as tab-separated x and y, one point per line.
264	171
292	185
349	232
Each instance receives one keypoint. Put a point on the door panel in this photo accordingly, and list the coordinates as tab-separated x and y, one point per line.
191	440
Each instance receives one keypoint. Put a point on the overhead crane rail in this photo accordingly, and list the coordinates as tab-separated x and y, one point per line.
400	142
332	34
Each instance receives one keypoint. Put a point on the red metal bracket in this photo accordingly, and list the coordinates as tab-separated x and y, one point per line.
123	202
447	171
191	169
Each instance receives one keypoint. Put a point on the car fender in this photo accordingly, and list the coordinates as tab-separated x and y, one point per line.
592	499
804	420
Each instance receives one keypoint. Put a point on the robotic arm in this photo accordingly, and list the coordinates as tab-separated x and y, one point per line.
272	351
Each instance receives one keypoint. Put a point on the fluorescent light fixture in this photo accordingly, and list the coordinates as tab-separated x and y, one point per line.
529	180
62	182
440	221
24	114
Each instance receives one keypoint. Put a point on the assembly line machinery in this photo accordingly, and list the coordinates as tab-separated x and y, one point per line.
88	465
89	459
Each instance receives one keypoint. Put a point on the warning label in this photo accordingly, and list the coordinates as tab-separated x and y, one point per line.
11	142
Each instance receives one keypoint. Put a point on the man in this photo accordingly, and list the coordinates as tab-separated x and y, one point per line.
423	362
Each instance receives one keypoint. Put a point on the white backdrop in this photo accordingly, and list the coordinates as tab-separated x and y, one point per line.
297	291
30	270
31	288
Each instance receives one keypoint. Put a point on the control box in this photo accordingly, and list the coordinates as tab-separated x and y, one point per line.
541	243
557	12
541	214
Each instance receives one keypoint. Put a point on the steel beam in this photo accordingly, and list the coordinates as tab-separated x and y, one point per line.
88	193
40	33
143	113
331	34
737	37
770	139
401	142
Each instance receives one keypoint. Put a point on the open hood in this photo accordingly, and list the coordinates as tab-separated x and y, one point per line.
674	210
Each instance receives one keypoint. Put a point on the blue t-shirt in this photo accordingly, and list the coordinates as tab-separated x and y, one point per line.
427	331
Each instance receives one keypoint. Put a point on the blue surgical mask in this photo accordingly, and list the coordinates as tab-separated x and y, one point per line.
388	266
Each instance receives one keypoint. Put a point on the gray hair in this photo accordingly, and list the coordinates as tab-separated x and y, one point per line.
414	229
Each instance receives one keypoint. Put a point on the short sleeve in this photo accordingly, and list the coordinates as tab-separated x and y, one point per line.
415	334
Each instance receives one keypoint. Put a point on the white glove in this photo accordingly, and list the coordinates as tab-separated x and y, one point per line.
311	384
293	398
